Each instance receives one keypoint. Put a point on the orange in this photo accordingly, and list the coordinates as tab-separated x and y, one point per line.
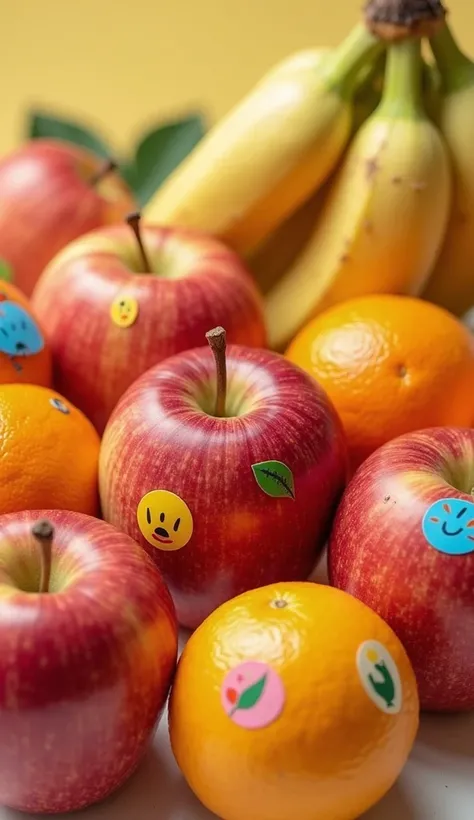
49	452
294	701
24	355
390	364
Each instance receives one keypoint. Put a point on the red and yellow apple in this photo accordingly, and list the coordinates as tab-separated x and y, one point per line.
114	306
403	543
88	647
51	192
228	479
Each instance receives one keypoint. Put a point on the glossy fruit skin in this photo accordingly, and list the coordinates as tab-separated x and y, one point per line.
159	438
48	456
331	754
391	364
209	287
85	671
34	368
48	200
378	553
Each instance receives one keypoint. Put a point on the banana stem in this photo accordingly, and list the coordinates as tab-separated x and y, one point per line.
456	69
343	66
402	95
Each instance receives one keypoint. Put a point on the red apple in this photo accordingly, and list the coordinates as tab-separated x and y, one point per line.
114	306
88	646
192	476
50	193
403	543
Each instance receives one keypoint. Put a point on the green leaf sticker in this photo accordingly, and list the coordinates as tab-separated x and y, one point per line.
44	126
275	479
250	697
6	271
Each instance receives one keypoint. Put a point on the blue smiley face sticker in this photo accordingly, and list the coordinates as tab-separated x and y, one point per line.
19	334
448	526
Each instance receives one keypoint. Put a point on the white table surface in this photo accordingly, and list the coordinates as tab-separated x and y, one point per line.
436	784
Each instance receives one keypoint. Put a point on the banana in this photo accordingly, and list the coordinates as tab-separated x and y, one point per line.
452	282
280	250
385	218
276	147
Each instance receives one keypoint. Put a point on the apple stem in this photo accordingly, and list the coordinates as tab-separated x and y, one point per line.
43	531
105	169
134	221
217	343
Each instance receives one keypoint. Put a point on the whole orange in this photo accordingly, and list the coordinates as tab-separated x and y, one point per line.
390	364
293	701
24	355
49	452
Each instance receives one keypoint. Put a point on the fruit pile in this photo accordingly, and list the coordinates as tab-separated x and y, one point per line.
265	368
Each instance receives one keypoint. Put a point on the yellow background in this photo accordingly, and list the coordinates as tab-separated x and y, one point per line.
126	64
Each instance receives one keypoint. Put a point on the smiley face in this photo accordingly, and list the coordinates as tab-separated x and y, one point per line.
124	310
19	333
448	526
165	520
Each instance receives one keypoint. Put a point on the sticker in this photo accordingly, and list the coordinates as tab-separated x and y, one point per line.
253	695
6	271
379	676
274	478
448	526
58	404
165	520
19	333
124	310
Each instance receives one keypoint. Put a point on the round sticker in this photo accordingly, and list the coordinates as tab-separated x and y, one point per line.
165	520
19	333
379	676
58	404
253	695
448	526
124	310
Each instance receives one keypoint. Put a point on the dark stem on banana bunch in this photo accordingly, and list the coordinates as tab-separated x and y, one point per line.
217	343
134	221
43	532
105	169
393	20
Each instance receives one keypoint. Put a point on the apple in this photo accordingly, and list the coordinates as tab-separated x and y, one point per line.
88	648
403	543
50	193
227	467
124	298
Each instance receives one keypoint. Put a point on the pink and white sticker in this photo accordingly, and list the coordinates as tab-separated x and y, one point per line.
253	695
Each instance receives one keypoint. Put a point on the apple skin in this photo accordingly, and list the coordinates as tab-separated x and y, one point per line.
159	437
84	673
48	200
378	553
95	360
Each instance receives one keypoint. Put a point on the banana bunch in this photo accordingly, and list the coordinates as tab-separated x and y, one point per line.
345	171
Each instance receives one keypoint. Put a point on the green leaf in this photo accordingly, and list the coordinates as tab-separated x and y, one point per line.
42	125
161	151
6	271
274	478
249	697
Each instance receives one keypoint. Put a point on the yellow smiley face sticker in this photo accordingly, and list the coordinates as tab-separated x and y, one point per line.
165	520
124	310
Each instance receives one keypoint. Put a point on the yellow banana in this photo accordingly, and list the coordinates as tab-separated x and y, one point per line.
383	224
280	250
271	152
452	282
